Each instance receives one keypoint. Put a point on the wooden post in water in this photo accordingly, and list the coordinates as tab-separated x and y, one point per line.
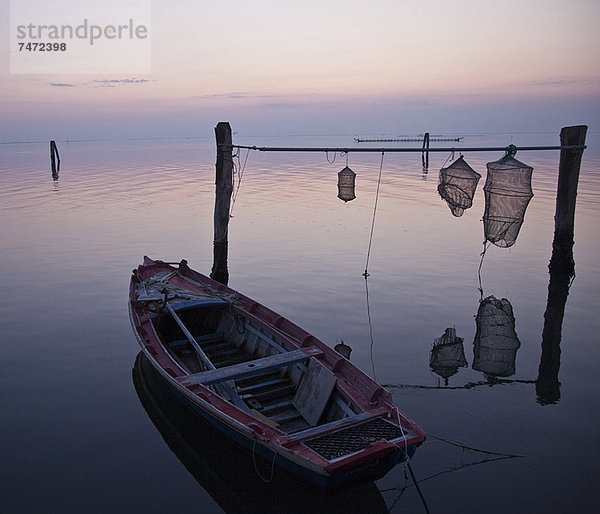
562	264
425	152
53	158
564	218
223	190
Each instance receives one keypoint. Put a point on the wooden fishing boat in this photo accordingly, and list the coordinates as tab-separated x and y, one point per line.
263	381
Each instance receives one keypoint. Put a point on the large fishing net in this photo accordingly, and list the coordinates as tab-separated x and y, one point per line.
507	194
496	342
457	185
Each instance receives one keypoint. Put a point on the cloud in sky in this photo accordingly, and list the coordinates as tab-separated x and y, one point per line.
103	82
233	94
114	82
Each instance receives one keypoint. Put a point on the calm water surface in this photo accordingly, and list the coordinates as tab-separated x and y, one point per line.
82	432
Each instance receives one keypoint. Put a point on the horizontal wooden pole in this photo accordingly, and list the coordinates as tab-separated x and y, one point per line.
402	150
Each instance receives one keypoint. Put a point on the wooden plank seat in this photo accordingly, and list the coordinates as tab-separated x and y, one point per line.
249	368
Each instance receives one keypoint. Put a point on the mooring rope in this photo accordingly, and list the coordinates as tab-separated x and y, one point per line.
366	273
267	481
470	448
370	324
399	415
414	478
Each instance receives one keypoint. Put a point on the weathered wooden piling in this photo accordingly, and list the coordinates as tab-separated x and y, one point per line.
54	157
223	190
425	152
564	218
562	264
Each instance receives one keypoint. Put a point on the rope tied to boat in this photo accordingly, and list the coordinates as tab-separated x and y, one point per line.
399	415
265	480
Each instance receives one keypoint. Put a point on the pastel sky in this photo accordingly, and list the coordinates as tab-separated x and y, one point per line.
306	67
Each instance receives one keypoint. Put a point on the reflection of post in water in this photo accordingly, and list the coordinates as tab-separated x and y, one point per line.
547	385
562	264
496	343
447	355
229	473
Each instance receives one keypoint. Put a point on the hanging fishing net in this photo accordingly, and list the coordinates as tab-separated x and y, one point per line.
346	184
496	342
447	354
507	194
457	185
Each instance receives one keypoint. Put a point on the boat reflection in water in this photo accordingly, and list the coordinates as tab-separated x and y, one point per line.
228	472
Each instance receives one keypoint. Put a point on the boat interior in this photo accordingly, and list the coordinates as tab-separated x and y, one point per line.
249	366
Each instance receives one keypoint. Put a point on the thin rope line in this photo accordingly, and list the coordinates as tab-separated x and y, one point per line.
479	270
450	158
366	273
239	181
270	479
465	447
414	478
370	326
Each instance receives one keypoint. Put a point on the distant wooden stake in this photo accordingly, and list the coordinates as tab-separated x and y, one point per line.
223	190
425	152
54	157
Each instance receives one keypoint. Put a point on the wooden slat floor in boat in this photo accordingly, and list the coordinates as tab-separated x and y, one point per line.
270	393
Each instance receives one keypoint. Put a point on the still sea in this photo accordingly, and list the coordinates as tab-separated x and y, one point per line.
85	425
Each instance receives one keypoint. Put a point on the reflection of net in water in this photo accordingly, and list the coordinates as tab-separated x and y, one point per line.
457	185
447	354
507	194
496	342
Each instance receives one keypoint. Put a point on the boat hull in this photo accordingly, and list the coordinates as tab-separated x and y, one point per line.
371	470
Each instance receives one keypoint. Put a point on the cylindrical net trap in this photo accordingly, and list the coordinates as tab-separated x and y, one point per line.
346	184
457	185
507	195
